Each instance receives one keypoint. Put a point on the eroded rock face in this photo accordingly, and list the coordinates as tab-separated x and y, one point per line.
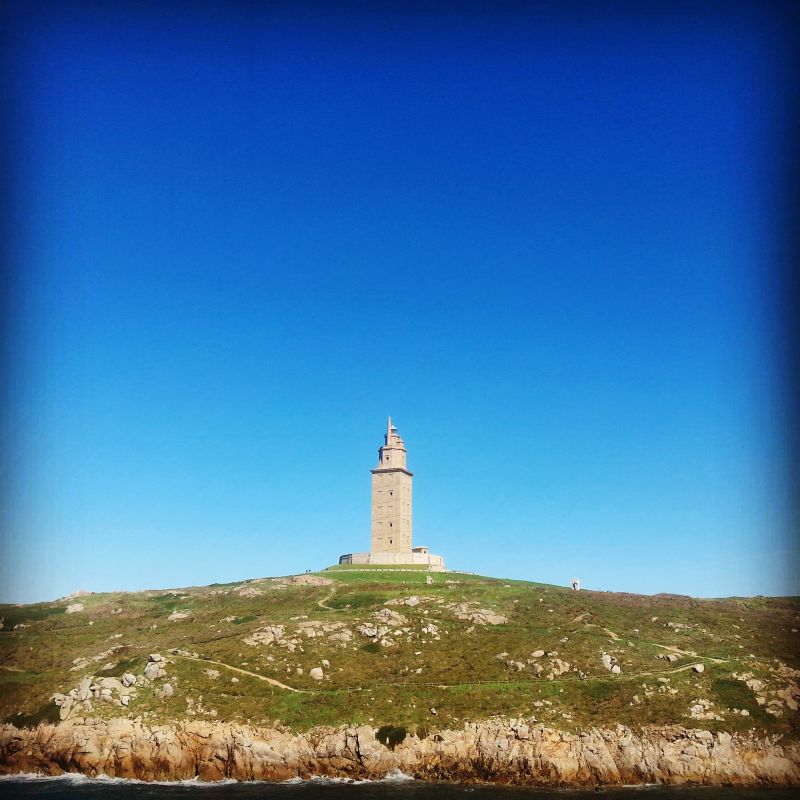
508	751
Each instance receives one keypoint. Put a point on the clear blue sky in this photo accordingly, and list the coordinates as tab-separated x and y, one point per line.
545	242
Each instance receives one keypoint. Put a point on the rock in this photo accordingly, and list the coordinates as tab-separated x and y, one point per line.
501	750
177	615
606	661
128	679
73	608
390	617
156	658
326	664
271	634
537	654
316	673
125	700
303	580
559	667
698	668
153	671
615	669
428	580
481	616
371	631
250	591
166	691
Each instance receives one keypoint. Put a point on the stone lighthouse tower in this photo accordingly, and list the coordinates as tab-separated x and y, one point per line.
391	497
391	512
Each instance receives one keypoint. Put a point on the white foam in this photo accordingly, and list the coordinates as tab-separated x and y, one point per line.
77	778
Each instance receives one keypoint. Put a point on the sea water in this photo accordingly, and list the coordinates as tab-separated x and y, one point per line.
394	787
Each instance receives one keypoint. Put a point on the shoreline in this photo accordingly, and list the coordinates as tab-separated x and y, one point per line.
505	752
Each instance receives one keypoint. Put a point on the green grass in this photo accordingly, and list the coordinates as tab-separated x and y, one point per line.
461	675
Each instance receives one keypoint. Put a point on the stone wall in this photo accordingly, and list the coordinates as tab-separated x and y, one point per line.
434	562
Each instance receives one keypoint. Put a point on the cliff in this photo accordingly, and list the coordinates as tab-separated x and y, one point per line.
504	751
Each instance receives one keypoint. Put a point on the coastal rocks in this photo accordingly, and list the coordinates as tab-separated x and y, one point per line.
302	580
267	635
313	629
671	657
371	631
701	709
334	632
412	601
155	667
391	618
480	616
609	662
508	751
250	591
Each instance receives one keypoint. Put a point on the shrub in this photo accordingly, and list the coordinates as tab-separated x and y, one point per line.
49	712
391	735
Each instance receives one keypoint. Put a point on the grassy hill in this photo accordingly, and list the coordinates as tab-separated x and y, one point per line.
468	647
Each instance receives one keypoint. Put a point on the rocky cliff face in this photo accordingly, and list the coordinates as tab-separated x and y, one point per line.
500	751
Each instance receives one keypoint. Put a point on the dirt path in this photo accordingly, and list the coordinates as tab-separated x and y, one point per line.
323	602
592	625
247	672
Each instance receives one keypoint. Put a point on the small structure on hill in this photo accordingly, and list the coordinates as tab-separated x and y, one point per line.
391	511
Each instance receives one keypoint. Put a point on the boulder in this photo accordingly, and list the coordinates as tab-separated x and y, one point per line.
389	617
153	671
317	674
698	668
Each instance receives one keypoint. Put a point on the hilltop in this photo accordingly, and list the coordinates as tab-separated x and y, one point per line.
405	650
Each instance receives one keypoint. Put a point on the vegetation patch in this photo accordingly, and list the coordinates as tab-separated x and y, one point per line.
735	694
391	735
45	713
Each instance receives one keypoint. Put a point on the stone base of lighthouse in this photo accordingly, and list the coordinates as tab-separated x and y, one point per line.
418	556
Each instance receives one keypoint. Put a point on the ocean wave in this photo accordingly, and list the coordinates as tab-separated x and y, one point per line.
78	778
393	776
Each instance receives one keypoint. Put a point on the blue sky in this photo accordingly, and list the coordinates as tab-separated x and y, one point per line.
544	241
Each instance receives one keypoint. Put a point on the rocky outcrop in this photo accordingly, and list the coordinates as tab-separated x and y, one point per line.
507	751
